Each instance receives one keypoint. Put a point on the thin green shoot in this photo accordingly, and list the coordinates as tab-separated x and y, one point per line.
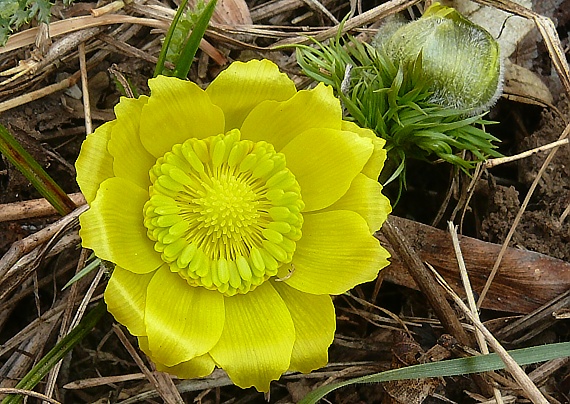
31	169
452	367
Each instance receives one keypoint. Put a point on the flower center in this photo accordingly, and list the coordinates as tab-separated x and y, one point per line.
224	212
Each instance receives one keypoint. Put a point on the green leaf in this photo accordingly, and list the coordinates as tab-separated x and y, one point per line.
453	367
179	48
159	69
187	57
87	269
395	100
26	164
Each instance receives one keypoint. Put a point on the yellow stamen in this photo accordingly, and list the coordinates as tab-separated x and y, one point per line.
224	212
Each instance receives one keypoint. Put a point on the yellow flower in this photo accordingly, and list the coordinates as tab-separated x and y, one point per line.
232	214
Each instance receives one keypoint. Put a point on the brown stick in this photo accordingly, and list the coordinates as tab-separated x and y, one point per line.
424	279
33	208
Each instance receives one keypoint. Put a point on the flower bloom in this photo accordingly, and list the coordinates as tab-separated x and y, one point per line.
232	214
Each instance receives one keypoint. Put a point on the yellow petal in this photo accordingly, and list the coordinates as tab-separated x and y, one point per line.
126	298
239	88
258	338
198	367
336	253
113	227
365	198
325	161
375	164
182	321
279	122
132	161
176	111
315	324
94	164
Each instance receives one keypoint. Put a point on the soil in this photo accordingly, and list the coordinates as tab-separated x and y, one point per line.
540	228
52	128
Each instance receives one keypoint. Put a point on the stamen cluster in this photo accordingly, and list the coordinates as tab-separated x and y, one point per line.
224	212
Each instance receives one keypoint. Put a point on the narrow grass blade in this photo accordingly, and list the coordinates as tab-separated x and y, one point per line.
159	69
88	268
39	371
453	367
26	164
187	56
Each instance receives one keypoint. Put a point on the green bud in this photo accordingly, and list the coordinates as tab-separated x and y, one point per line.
460	58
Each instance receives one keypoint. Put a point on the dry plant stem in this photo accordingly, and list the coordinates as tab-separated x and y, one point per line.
385	9
26	245
78	316
26	38
552	40
26	355
319	6
101	381
270	9
65	327
425	281
519	216
122	80
49	316
470	298
564	215
85	88
57	28
502	160
534	322
22	247
542	373
87	298
167	396
55	52
5	390
168	387
33	208
26	266
109	8
528	387
40	93
470	192
130	50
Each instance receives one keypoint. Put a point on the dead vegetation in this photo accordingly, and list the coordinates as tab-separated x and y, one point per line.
60	81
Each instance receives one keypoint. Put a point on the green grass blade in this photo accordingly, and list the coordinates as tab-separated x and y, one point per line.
159	69
88	268
42	368
187	56
26	164
453	367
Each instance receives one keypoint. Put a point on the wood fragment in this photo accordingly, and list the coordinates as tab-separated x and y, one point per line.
33	208
526	280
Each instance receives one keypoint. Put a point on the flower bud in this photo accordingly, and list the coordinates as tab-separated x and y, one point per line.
460	58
